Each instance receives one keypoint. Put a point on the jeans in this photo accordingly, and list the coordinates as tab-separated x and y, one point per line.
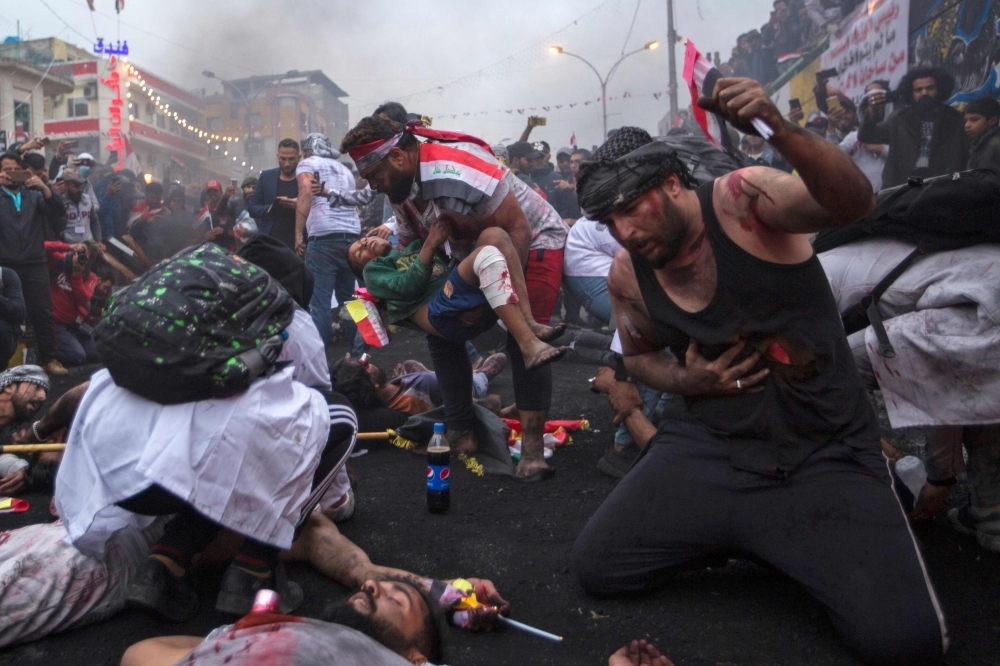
834	526
77	346
38	302
592	293
326	258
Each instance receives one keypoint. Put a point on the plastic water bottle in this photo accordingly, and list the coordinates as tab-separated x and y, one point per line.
438	472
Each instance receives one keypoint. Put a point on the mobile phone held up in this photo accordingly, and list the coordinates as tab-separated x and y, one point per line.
19	176
826	75
794	104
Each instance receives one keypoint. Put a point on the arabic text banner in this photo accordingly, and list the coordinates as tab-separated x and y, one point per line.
871	44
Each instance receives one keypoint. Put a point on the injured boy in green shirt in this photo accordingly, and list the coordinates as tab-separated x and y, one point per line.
459	305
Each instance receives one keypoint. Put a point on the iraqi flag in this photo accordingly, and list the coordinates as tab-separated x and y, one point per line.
131	159
701	75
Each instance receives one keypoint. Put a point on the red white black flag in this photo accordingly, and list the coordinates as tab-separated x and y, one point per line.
701	75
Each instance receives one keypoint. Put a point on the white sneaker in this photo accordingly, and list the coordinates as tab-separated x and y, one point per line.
343	511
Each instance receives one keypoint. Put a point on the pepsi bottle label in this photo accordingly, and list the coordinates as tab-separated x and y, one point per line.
438	477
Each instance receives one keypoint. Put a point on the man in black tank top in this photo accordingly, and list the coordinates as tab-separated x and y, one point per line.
719	298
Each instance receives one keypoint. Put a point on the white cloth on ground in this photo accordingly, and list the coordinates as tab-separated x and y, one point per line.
301	642
590	250
942	316
48	586
245	462
305	348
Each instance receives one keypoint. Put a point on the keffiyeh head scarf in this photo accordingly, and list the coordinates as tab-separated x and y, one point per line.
625	167
31	374
319	144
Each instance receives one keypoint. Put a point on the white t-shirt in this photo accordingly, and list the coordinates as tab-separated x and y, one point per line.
590	249
323	218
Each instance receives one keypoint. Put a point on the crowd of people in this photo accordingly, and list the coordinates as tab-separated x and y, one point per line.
741	395
794	28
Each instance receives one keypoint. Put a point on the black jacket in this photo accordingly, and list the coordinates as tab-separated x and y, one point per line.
985	151
901	131
23	234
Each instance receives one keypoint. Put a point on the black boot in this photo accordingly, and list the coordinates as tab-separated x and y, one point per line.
240	587
159	591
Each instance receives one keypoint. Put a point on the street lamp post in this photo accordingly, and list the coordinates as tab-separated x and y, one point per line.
558	50
248	102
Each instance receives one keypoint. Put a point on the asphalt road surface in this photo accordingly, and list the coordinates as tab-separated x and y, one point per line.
520	536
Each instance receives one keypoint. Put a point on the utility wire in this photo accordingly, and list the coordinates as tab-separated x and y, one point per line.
635	14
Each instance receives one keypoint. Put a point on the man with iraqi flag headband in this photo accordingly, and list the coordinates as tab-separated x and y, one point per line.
719	298
454	178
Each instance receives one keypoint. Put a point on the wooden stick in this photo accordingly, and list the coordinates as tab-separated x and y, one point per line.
33	448
373	435
45	448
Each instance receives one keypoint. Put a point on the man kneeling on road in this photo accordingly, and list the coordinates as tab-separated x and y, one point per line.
777	453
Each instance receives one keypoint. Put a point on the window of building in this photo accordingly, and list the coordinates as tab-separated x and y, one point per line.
22	115
161	121
254	119
303	122
77	107
255	146
214	124
234	112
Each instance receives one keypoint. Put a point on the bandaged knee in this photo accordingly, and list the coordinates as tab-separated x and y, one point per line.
494	277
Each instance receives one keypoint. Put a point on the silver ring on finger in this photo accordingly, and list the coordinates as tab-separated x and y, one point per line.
739	385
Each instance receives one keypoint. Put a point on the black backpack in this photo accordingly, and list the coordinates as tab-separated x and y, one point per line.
201	324
936	214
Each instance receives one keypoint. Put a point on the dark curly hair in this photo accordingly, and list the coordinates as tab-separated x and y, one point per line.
945	83
392	111
351	380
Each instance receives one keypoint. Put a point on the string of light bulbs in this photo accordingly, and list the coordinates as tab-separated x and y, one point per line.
165	108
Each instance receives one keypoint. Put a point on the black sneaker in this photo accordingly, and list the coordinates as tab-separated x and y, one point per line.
617	464
240	587
161	592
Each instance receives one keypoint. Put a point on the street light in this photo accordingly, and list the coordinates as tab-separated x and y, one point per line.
558	50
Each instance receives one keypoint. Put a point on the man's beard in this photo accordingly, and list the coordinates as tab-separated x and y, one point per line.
400	185
671	237
345	614
23	411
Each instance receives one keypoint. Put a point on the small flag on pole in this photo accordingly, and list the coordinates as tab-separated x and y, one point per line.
572	139
365	314
701	75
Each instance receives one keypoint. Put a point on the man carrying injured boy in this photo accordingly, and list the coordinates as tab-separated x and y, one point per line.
432	175
417	287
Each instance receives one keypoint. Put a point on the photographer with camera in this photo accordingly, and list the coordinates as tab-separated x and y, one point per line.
926	137
72	286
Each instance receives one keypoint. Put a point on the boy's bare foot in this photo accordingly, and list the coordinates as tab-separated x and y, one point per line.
540	353
461	441
547	333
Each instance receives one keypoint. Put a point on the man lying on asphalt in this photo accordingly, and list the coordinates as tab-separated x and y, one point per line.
48	586
777	454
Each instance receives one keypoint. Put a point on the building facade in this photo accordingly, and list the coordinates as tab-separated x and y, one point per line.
263	110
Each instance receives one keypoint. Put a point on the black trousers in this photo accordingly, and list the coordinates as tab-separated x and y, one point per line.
532	388
38	303
8	342
834	525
